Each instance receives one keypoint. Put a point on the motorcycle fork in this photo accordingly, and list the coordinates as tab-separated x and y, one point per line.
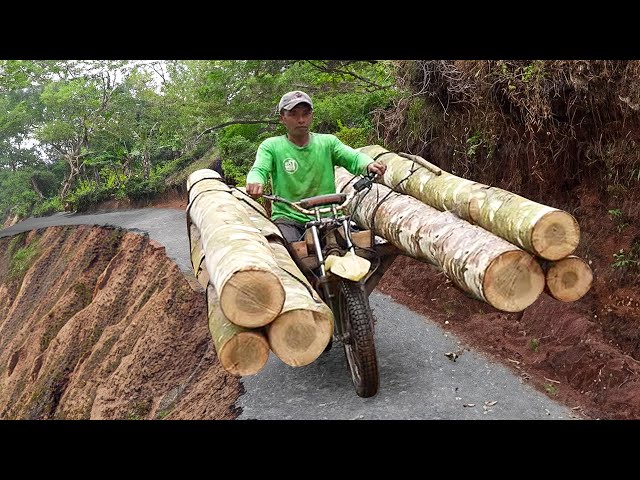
330	288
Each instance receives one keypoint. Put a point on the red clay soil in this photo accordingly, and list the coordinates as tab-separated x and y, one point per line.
98	323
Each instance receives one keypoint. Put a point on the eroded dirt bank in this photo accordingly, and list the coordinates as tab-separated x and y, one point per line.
97	323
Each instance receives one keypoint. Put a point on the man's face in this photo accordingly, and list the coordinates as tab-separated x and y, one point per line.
298	119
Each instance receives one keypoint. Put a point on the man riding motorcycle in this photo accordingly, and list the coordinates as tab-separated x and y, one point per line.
301	163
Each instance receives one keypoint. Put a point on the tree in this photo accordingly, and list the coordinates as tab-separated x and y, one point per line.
76	108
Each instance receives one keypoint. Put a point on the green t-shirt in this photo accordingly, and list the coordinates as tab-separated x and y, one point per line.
302	172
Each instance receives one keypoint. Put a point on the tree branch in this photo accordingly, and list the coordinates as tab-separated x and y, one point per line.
35	186
335	69
235	122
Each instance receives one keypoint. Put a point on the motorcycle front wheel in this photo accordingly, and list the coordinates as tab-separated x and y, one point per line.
359	346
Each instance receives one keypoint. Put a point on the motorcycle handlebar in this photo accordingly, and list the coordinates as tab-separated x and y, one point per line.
365	182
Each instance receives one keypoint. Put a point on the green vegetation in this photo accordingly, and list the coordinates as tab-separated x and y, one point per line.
627	260
534	344
620	219
22	260
117	129
162	414
139	410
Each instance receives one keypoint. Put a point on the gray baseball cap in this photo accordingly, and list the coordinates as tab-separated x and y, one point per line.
291	99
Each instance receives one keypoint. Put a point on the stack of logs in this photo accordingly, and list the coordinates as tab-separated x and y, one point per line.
258	300
497	246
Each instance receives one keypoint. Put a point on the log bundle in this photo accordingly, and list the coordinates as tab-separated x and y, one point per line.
228	231
541	230
305	325
478	262
241	266
241	351
496	246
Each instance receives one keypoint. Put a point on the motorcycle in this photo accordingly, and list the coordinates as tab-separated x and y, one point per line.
344	264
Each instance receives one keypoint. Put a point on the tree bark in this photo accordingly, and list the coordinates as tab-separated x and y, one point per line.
238	258
197	255
478	262
34	183
304	328
541	230
242	351
568	279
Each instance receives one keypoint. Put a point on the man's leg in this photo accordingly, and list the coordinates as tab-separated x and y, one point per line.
291	231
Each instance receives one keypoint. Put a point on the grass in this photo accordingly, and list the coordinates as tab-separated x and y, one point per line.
22	260
534	344
139	410
180	177
162	414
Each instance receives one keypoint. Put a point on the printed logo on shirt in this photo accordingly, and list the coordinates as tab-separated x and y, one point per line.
290	165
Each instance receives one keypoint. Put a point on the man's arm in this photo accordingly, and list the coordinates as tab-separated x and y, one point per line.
377	167
260	171
354	161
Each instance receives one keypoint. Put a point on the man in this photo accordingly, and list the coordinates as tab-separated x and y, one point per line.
301	163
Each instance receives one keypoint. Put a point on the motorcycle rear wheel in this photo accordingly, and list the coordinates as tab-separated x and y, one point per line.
359	347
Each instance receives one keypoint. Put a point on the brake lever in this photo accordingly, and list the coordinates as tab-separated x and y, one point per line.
275	198
365	182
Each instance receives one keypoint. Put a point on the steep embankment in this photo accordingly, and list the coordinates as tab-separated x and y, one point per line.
98	323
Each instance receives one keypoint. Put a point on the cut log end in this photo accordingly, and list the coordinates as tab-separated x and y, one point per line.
252	298
299	337
245	354
569	279
513	281
555	235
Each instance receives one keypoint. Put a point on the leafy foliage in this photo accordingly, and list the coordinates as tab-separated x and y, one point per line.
22	259
87	131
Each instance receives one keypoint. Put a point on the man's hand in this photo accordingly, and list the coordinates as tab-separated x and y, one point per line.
255	190
377	167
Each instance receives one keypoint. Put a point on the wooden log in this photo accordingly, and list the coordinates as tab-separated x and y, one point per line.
539	229
197	256
304	328
568	279
241	351
480	263
422	162
240	262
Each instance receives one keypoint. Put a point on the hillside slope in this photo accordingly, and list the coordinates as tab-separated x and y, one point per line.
98	323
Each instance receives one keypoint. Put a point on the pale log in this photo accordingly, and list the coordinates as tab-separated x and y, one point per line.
568	279
240	262
304	328
241	351
197	256
539	229
477	261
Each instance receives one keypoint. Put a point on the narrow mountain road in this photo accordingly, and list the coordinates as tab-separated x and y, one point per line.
417	379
